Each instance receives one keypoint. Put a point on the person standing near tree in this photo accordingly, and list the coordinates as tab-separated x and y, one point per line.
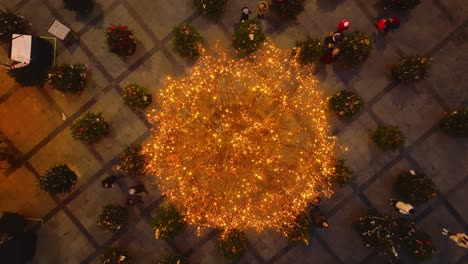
134	199
245	14
136	189
109	181
461	239
262	9
390	24
317	217
343	25
402	207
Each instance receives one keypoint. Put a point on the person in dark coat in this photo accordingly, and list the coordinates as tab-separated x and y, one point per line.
134	199
317	217
332	46
109	181
245	14
136	189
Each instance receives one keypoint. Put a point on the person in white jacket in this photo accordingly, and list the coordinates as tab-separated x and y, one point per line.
461	239
402	207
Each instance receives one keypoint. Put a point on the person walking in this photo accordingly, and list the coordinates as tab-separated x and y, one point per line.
317	217
389	24
136	189
343	25
402	207
109	181
245	14
461	239
134	199
262	9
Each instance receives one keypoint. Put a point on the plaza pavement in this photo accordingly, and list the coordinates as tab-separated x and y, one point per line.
31	120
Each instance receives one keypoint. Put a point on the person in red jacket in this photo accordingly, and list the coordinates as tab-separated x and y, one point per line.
386	25
343	25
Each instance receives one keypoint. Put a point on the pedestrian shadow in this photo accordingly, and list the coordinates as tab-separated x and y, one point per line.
380	41
346	74
328	5
95	18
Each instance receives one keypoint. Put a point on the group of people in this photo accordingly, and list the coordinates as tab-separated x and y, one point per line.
317	218
262	10
133	191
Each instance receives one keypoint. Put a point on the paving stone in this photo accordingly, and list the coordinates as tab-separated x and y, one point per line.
78	22
60	241
6	82
188	238
444	159
125	127
340	195
447	251
94	39
363	155
27	106
152	73
411	108
448	76
142	247
208	253
212	33
455	10
34	203
87	205
169	14
457	200
267	243
39	16
312	253
341	232
64	149
10	4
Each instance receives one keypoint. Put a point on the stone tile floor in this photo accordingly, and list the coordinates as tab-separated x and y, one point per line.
30	118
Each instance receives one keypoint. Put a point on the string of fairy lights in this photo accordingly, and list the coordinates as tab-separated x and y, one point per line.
242	142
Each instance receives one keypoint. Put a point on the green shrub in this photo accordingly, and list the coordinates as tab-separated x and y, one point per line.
174	259
81	6
378	231
90	128
299	230
456	123
213	9
343	173
11	23
355	49
136	97
68	78
115	256
287	8
167	222
120	40
345	104
400	4
233	244
242	41
415	187
112	218
419	244
132	161
308	51
58	179
389	138
412	68
187	41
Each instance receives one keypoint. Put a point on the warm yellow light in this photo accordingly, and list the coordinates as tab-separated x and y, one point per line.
242	142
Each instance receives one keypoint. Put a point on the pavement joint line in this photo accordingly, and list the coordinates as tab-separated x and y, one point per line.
93	59
340	205
7	95
444	10
463	259
280	253
19	5
98	18
80	227
369	258
327	247
141	115
201	243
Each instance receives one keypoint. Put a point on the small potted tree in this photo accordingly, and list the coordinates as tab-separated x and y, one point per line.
389	137
415	187
308	51
456	123
187	41
112	218
10	24
213	9
345	104
400	4
233	244
90	128
299	230
288	9
355	49
343	174
136	97
173	258
115	256
168	222
410	69
80	6
132	161
120	40
419	244
68	78
58	179
248	37
378	231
